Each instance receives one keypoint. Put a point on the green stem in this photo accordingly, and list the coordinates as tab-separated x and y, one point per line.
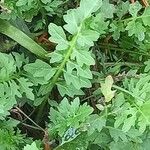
62	65
129	64
58	73
128	92
134	18
123	50
21	38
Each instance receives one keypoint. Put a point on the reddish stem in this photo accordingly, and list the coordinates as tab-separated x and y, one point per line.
145	2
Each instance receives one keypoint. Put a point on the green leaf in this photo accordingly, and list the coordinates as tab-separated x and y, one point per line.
96	122
80	142
147	68
77	81
99	24
135	8
69	90
122	9
117	28
87	8
83	57
55	57
106	89
87	38
72	115
146	16
81	39
58	36
81	71
76	16
7	67
144	119
40	69
107	9
122	146
31	147
21	2
137	29
25	87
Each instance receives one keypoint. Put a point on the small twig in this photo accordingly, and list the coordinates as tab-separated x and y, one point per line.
132	1
30	126
28	116
46	141
145	2
30	119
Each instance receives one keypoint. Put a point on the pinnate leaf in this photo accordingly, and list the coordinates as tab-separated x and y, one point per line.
40	69
134	8
31	147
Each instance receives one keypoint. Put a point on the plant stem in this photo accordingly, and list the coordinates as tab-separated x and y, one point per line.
40	128
145	2
123	50
132	18
128	92
58	72
123	64
30	126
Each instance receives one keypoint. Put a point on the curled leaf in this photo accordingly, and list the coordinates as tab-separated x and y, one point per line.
106	88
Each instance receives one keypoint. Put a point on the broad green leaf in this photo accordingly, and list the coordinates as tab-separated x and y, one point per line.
106	89
82	38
